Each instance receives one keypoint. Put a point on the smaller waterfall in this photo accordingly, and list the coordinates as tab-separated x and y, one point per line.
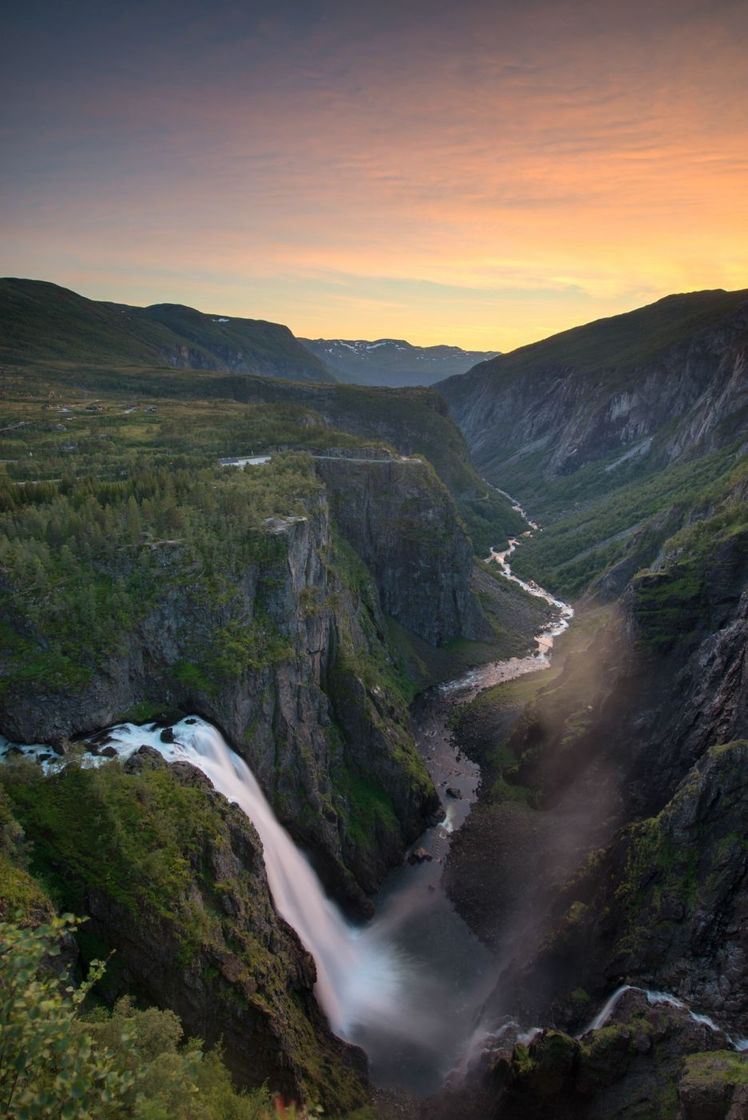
654	997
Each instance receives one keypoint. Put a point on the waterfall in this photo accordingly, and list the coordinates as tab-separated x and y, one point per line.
654	997
407	985
359	978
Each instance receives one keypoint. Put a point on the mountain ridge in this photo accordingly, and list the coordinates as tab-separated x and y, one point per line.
392	362
41	321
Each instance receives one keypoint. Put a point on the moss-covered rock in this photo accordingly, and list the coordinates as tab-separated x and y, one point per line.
714	1086
172	880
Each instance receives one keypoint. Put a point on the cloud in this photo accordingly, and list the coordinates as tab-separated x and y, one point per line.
568	157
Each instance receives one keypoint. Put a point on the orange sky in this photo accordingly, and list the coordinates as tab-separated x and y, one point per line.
483	176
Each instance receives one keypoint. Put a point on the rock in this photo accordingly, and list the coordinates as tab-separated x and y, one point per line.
247	975
145	758
108	752
190	775
714	1086
278	714
420	855
423	574
455	794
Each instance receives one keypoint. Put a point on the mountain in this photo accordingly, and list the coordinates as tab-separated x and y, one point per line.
392	361
655	384
44	322
605	428
302	605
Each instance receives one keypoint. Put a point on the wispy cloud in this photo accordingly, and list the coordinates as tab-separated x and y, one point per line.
481	175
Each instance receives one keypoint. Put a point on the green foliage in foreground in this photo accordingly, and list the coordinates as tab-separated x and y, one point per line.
56	1062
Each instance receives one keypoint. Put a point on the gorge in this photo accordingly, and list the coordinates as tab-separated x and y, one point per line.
305	763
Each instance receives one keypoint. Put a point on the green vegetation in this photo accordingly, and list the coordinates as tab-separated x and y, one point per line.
493	727
633	520
43	322
371	815
89	389
161	856
716	1067
134	836
660	868
82	566
61	1063
21	896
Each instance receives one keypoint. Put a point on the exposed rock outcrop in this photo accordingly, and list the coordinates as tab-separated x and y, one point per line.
172	880
666	381
649	1060
403	524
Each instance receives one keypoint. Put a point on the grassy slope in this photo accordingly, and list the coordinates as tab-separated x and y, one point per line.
631	523
44	322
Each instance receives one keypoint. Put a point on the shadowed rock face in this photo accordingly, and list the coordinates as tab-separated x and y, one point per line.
647	1061
403	524
323	709
667	381
280	717
664	901
647	731
172	881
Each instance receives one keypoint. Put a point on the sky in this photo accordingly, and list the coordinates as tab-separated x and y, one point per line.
476	173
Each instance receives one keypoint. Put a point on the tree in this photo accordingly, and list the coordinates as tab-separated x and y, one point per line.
48	1066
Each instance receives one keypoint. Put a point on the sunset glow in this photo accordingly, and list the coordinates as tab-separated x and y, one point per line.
481	174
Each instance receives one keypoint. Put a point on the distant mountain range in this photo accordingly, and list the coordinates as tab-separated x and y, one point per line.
393	361
44	322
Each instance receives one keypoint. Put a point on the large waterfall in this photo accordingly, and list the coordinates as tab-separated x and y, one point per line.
406	986
359	979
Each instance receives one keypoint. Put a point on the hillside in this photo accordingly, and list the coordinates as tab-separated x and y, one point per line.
44	322
614	431
392	361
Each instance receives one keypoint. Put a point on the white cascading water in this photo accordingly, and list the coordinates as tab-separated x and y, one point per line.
375	986
654	997
359	979
370	989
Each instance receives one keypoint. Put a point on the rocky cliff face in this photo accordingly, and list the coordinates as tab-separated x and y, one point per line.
633	1066
317	713
403	524
171	880
632	731
660	384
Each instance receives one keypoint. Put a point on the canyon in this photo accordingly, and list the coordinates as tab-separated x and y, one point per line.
433	778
